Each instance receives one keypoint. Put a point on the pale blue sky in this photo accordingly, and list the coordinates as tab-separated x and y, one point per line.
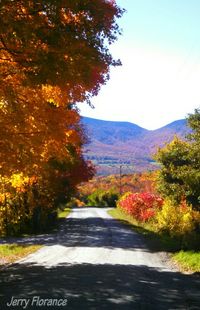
159	81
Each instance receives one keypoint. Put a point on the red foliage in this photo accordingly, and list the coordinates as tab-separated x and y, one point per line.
142	206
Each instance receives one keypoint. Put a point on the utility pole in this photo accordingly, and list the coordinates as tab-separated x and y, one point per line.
120	180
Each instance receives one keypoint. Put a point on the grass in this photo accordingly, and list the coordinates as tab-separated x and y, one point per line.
186	260
63	213
9	253
119	215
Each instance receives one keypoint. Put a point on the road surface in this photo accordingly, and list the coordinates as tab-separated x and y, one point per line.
95	262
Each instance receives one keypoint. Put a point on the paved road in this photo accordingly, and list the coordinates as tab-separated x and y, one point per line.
94	262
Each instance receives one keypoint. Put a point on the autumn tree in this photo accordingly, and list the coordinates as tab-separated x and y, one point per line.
179	176
60	42
53	54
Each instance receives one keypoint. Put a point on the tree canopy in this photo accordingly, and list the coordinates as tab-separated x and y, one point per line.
53	54
179	177
59	42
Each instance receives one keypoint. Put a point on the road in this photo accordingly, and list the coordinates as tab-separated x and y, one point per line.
95	262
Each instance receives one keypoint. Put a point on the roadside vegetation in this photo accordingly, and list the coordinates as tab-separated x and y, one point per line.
163	205
12	252
63	212
186	259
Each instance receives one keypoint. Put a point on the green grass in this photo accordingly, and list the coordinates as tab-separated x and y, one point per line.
64	213
12	252
186	260
129	220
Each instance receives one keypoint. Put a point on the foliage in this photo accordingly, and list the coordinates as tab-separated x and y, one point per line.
45	48
186	259
103	198
52	42
30	204
175	161
179	176
75	202
177	220
137	182
142	206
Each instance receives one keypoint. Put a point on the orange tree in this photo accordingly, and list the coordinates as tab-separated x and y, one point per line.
53	54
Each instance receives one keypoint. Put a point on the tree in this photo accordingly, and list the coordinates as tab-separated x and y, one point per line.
174	160
53	54
179	176
59	42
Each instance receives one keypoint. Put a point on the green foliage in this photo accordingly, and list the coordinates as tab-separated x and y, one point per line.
174	160
179	176
101	198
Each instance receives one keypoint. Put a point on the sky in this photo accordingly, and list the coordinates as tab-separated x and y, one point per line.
159	80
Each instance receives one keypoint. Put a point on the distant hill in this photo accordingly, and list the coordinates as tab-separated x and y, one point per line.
122	143
109	132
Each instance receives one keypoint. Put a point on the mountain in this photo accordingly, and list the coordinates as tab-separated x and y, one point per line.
112	144
109	132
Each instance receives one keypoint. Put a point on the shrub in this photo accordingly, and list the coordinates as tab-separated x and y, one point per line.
101	198
177	220
142	206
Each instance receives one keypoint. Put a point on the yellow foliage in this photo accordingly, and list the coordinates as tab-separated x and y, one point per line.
177	220
18	180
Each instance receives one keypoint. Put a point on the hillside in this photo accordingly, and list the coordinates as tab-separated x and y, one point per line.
110	133
114	143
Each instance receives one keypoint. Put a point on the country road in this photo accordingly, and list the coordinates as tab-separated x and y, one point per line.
95	262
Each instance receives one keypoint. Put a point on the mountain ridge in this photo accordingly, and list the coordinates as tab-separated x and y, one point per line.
113	143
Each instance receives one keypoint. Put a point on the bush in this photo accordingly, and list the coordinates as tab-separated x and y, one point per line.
142	206
101	198
177	220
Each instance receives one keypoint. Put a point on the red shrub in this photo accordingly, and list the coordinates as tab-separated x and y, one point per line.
142	206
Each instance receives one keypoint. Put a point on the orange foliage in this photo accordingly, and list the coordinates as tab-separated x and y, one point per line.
52	55
138	182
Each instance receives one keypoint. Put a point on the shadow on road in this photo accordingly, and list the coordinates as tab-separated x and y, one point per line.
89	232
101	287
